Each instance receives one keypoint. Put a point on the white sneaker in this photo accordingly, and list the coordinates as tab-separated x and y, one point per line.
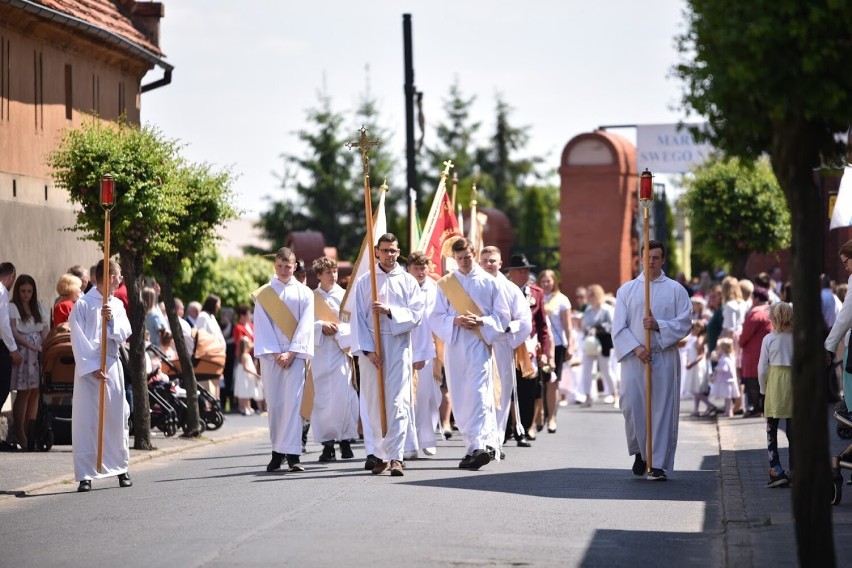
609	399
412	455
430	451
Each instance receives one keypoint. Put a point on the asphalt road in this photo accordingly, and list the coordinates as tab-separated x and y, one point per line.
571	500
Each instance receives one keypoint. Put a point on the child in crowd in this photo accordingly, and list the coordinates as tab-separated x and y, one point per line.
696	370
247	384
776	384
725	384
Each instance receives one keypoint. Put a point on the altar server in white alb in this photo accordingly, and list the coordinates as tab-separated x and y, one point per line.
86	320
334	417
469	314
284	342
427	391
669	322
399	305
505	344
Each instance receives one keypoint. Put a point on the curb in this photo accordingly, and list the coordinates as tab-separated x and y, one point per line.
140	458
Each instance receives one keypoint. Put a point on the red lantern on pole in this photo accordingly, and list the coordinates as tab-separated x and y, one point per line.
107	191
646	188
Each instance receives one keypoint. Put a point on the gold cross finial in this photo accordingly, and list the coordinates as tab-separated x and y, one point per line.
473	196
384	187
364	144
447	165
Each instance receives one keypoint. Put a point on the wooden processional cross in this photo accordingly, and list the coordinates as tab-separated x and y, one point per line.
364	144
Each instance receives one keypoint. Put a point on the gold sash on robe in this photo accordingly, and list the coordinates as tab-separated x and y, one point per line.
278	311
463	304
284	320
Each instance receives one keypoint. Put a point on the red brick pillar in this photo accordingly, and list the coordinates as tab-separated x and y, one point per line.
598	206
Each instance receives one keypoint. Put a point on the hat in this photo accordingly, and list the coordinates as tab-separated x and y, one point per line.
760	293
699	300
518	261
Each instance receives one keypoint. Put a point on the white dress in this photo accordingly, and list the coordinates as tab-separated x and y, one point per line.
246	382
694	377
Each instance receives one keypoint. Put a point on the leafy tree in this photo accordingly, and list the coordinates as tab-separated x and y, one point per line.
202	204
383	167
770	76
670	265
504	177
535	232
319	187
455	142
138	159
736	209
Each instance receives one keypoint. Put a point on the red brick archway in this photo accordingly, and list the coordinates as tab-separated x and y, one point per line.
597	206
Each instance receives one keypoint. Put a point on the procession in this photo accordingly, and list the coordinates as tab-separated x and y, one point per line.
431	284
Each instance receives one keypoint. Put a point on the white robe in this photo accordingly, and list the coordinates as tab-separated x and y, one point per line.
284	387
402	293
335	412
468	358
520	327
671	307
427	395
85	323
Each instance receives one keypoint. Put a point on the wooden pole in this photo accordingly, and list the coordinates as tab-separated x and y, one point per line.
105	278
364	144
649	445
646	198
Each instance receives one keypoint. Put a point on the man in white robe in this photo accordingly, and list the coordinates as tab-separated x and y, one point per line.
468	360
427	394
283	360
399	305
85	321
669	322
334	416
519	328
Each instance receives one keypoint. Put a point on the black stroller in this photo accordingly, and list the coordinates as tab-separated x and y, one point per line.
208	363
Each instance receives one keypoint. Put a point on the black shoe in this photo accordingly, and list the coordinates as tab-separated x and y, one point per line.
466	462
656	474
523	442
502	455
275	462
639	465
124	480
294	463
371	462
328	454
346	450
492	453
85	486
479	458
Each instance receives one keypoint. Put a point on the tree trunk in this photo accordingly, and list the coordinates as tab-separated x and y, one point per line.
738	265
793	160
193	422
131	267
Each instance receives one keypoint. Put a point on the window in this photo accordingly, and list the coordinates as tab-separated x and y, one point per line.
69	92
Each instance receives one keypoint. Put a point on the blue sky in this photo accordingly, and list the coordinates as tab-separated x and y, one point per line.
245	72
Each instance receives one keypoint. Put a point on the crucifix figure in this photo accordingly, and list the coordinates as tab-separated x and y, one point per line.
364	144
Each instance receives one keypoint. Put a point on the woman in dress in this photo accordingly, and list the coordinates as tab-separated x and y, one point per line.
597	323
30	325
558	309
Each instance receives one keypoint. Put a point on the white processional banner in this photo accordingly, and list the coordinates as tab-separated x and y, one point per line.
665	148
841	215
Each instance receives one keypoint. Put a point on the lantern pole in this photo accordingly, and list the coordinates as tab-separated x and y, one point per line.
646	199
107	203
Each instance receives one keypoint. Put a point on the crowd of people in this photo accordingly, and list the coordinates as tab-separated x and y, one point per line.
489	353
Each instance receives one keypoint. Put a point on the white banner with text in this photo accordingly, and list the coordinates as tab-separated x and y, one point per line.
665	148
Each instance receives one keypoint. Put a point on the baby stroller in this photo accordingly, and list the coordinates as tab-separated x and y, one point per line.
53	421
162	409
842	460
208	360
